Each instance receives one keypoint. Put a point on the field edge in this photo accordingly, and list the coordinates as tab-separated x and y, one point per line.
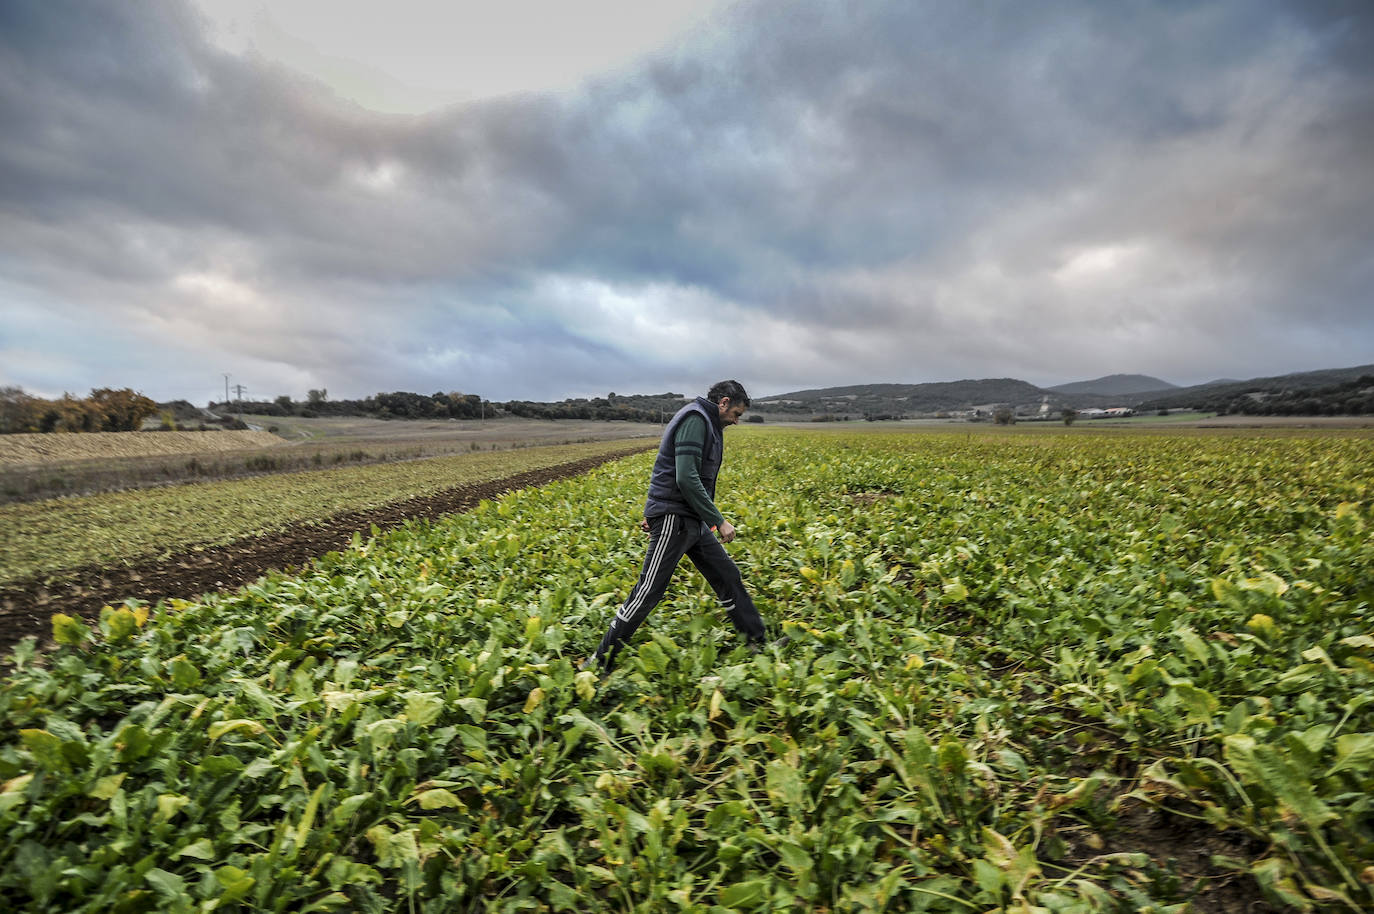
26	606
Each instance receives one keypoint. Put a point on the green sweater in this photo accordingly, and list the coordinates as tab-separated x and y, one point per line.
692	433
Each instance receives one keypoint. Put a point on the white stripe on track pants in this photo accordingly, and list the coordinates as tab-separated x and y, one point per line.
672	536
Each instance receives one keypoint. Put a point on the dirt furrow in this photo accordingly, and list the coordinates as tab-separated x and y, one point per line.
26	607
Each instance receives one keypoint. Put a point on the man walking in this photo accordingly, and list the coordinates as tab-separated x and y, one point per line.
681	518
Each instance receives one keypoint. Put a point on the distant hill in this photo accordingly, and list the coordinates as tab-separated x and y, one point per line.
1115	385
904	399
1324	386
884	401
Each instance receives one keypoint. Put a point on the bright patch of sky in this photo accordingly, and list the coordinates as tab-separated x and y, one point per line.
414	56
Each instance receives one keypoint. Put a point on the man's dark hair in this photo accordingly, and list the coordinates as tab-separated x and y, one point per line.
732	389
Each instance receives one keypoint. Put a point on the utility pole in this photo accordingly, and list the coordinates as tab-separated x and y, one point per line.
226	390
238	395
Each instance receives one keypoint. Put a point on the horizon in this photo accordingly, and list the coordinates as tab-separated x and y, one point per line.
753	396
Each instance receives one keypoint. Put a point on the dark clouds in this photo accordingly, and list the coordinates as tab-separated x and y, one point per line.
794	194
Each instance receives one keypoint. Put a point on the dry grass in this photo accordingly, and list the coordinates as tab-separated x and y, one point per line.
281	445
61	446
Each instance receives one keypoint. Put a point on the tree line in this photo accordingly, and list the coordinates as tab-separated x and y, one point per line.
396	405
105	410
454	405
108	410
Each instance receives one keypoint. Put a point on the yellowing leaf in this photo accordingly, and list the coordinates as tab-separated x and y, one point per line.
439	798
107	787
13	793
17	785
1266	582
1083	789
220	728
1000	852
168	805
1224	591
341	700
535	699
68	630
119	624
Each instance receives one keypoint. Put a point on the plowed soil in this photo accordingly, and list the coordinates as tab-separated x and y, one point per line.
26	607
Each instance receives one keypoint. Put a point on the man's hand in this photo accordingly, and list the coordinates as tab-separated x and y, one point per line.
726	531
644	525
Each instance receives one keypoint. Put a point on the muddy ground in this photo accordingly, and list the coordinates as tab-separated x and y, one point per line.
26	607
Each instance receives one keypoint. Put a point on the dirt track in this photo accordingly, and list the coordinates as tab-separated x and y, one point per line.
26	607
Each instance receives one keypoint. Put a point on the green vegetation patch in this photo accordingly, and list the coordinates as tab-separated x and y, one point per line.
43	538
1000	643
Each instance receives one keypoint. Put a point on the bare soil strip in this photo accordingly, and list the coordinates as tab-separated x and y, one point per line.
26	607
1184	846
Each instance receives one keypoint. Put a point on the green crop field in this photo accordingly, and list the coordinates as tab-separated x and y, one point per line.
1003	646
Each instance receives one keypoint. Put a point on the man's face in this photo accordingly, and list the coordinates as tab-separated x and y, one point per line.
729	412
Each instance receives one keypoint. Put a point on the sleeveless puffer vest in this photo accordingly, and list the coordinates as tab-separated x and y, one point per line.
664	495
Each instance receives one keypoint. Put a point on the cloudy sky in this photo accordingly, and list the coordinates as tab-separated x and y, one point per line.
565	199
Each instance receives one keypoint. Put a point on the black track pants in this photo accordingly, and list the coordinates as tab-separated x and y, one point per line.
670	538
